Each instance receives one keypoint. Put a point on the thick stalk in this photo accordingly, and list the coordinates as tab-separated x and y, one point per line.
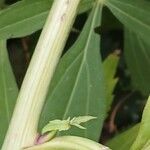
23	127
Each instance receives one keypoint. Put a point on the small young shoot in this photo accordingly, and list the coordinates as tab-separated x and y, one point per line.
54	126
63	125
48	140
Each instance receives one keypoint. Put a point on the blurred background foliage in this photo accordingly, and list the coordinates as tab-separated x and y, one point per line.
128	102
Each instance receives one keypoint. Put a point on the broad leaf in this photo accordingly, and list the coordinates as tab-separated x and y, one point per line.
137	54
8	91
22	18
123	141
77	88
27	16
134	14
110	65
143	134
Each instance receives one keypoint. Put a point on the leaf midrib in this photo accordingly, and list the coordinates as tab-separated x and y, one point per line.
62	77
83	61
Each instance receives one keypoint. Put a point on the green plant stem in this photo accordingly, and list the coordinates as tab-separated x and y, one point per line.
23	127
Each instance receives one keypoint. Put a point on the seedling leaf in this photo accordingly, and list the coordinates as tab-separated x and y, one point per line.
63	125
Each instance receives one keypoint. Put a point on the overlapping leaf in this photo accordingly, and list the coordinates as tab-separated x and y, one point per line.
27	16
137	55
135	17
78	84
8	91
110	66
134	14
124	140
143	136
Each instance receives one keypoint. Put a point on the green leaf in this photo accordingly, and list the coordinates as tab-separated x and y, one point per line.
8	91
62	125
136	40
137	54
81	119
123	141
126	12
110	66
76	121
143	134
56	125
78	84
21	18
